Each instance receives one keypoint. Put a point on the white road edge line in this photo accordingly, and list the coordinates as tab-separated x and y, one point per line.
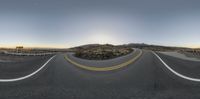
176	73
27	76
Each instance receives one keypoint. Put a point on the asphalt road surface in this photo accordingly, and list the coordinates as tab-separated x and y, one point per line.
146	78
15	69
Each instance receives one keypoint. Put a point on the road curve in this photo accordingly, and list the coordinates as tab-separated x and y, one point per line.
27	76
146	78
175	72
105	68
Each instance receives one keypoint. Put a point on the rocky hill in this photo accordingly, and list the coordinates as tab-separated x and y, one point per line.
101	52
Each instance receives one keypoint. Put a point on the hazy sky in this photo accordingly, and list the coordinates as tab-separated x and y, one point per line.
66	23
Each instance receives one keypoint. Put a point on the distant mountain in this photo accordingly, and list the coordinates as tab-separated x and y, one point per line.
134	45
88	46
153	47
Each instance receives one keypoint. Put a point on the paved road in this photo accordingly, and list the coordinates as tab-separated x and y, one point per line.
15	69
147	78
104	63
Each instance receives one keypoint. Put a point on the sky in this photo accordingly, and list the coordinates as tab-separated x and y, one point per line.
69	23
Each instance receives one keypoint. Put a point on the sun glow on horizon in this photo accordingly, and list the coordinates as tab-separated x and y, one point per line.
193	46
97	40
102	37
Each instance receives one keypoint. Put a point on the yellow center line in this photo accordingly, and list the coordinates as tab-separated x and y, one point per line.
110	68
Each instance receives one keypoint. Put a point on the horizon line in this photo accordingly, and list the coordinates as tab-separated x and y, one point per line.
59	47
